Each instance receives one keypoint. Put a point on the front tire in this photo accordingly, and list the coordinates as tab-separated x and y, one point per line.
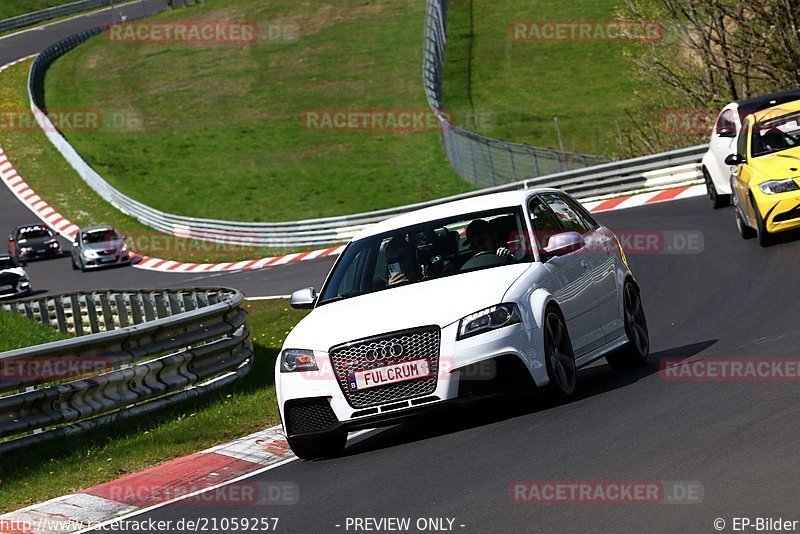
745	231
559	358
717	201
637	349
765	239
328	445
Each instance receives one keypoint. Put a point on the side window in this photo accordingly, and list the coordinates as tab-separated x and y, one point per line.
543	220
586	218
569	220
726	126
741	143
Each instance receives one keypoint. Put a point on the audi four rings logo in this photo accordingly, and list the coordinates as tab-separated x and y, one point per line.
384	351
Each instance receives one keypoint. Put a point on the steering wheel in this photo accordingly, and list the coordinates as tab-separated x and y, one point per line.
483	253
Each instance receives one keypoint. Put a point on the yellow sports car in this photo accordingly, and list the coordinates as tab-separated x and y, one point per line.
766	194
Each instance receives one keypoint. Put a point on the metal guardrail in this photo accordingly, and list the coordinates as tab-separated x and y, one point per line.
151	348
587	182
29	19
481	160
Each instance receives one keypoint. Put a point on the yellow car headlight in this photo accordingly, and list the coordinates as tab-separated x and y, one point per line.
774	187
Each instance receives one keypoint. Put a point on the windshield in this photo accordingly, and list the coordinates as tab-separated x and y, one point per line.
34	232
100	236
7	263
430	250
776	134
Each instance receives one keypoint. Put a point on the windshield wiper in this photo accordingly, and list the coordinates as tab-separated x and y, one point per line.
342	297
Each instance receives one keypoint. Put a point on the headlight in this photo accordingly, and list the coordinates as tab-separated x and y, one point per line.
54	244
124	248
489	319
293	360
89	253
25	250
778	186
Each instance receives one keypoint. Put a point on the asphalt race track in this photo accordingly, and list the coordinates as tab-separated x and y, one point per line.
732	299
736	439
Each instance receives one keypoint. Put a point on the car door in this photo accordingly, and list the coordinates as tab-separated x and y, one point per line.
570	280
601	248
742	174
723	143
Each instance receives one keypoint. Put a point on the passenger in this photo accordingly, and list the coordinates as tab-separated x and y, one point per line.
400	261
483	240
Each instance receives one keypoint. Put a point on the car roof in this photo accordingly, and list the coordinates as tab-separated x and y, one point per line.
777	111
96	228
451	209
21	226
757	103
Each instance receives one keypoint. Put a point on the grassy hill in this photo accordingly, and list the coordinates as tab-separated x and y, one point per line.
12	8
517	88
221	130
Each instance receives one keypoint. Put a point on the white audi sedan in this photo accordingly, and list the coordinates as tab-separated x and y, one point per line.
452	303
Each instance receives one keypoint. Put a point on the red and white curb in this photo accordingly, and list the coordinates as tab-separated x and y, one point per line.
175	480
68	230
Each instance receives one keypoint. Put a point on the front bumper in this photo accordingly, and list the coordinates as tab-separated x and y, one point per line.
19	289
40	254
107	261
781	212
314	402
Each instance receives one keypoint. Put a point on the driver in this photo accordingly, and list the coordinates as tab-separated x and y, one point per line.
400	261
484	241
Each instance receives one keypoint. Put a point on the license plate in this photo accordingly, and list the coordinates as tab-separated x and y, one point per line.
381	376
108	260
40	251
6	288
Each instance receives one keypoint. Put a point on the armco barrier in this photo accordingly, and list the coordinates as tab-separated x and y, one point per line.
29	19
151	347
611	178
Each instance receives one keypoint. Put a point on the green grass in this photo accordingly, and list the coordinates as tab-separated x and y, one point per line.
62	466
517	88
46	171
12	8
221	132
17	331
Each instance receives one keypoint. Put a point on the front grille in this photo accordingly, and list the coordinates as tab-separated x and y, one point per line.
106	252
419	343
309	415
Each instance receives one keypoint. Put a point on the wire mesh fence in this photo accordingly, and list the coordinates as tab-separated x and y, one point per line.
478	159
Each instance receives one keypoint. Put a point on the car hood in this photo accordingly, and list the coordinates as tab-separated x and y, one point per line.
105	245
776	166
440	302
18	272
36	241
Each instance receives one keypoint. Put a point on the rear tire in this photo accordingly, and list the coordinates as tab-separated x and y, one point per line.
637	349
717	200
558	355
328	445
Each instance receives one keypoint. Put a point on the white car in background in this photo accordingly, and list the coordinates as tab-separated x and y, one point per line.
716	173
454	302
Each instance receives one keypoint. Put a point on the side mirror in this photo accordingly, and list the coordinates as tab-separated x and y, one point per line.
726	131
563	243
734	159
303	299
